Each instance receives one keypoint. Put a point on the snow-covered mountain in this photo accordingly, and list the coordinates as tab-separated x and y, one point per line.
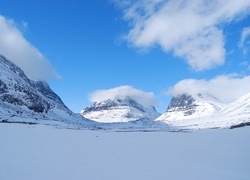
25	100
205	111
119	110
28	99
184	107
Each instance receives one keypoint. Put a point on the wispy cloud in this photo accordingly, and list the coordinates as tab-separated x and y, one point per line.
191	29
15	47
123	92
225	87
246	64
245	41
24	24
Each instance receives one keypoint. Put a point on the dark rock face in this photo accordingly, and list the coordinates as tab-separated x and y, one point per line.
182	103
29	98
240	125
110	104
11	99
3	87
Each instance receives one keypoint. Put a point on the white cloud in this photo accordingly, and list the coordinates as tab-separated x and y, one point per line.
225	87
189	29
17	49
244	43
123	92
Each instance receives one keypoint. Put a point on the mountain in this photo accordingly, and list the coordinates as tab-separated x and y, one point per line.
205	111
23	98
184	107
119	110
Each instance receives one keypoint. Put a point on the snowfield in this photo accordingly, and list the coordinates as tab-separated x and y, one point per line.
39	152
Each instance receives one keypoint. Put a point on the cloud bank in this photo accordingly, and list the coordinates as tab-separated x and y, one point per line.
227	88
17	49
190	29
123	92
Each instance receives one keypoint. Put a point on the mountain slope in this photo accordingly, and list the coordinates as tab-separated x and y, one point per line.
237	112
119	110
24	98
202	113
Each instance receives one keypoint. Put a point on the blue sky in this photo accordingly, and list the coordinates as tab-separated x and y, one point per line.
151	45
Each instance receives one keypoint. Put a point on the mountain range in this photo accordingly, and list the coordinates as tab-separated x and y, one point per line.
26	100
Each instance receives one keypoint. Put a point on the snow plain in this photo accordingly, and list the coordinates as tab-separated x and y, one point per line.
38	152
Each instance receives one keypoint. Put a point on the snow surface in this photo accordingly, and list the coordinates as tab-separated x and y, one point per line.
43	152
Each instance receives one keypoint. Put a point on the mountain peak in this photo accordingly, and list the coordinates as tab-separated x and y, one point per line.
182	102
119	110
186	106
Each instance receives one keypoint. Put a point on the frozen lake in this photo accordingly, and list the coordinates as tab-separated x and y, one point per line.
41	152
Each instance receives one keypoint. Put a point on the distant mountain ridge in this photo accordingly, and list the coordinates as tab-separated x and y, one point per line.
119	110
